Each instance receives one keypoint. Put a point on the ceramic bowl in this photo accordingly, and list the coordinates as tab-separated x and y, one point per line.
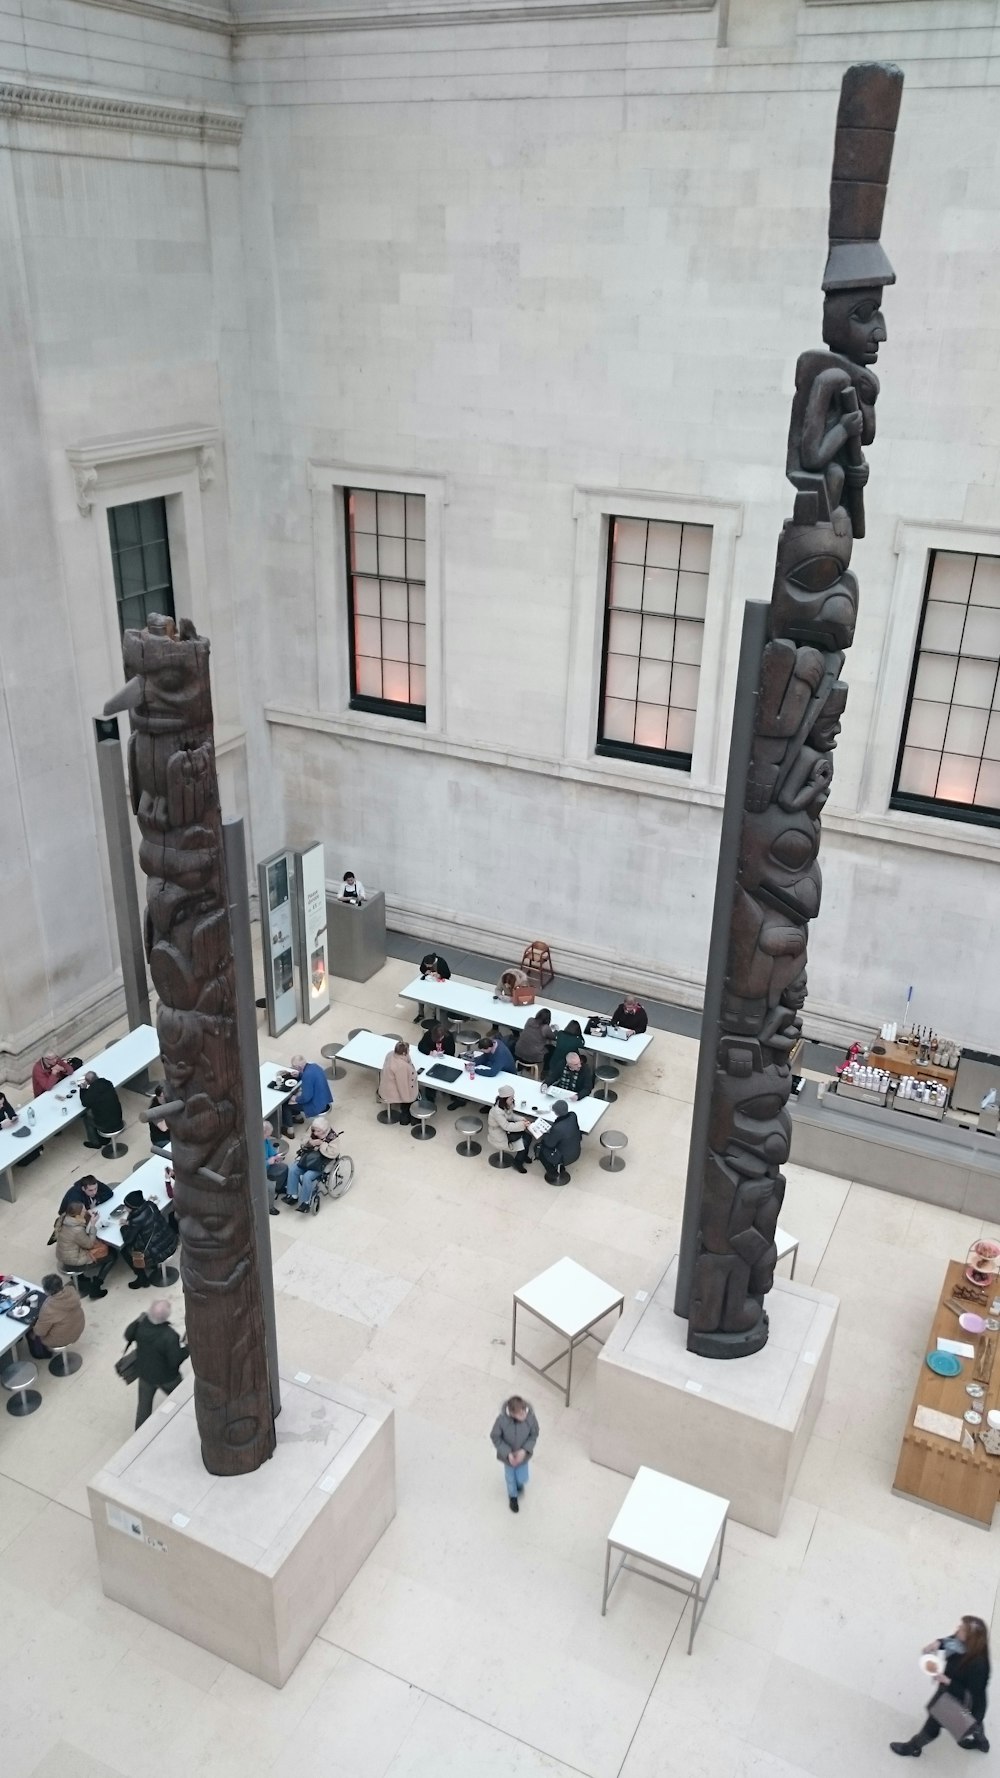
972	1323
993	1417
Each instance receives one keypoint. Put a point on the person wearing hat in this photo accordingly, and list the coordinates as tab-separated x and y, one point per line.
506	1129
560	1144
147	1239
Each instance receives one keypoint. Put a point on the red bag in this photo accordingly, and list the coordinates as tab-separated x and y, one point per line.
523	995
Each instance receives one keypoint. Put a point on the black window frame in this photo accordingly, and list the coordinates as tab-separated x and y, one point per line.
625	750
122	598
363	700
972	814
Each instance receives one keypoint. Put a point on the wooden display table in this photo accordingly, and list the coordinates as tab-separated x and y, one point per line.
901	1058
942	1471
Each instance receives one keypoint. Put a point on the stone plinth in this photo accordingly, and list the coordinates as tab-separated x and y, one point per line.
738	1428
248	1567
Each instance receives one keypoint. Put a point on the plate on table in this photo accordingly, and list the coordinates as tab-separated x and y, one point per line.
944	1364
972	1323
972	1418
21	1313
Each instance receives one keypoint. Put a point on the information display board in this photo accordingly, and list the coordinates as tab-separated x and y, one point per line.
310	932
274	879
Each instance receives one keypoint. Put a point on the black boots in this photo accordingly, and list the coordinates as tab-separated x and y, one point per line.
911	1749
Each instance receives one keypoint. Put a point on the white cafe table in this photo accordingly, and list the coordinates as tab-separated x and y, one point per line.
474	1000
272	1098
10	1330
571	1301
671	1525
150	1180
369	1050
786	1244
55	1110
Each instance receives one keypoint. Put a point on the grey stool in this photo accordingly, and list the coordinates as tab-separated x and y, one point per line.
422	1110
165	1275
17	1380
468	1039
329	1053
351	1035
613	1140
604	1075
389	1114
113	1150
501	1158
64	1361
394	1036
467	1127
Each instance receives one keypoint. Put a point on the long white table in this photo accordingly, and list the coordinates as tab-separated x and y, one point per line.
60	1106
10	1330
150	1179
475	1001
368	1050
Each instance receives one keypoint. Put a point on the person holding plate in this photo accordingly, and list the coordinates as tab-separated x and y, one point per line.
961	1664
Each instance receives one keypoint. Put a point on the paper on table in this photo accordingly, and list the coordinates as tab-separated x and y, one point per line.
959	1347
944	1425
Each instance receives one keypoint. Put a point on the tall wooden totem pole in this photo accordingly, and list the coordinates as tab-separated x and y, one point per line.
175	796
782	766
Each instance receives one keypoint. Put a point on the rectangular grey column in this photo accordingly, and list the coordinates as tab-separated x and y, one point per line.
124	893
234	844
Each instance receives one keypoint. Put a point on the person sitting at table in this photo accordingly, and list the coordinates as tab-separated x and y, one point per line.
49	1070
576	1076
351	889
435	1044
79	1249
507	1130
494	1058
397	1082
509	980
60	1319
312	1098
102	1109
147	1239
275	1169
7	1113
631	1015
159	1132
87	1191
310	1164
560	1144
436	965
533	1042
571	1038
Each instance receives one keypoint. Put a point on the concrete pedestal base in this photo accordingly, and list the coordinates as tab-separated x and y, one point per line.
738	1428
248	1567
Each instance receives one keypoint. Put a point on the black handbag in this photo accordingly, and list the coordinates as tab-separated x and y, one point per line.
127	1365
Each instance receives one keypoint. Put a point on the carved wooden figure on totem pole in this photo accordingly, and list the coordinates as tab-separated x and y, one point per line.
800	700
175	796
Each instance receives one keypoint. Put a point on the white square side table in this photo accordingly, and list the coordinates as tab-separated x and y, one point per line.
571	1301
786	1244
670	1525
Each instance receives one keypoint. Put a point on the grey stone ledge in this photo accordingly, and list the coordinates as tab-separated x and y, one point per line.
117	111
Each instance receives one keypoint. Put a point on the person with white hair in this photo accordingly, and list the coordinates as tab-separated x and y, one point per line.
312	1097
160	1355
310	1164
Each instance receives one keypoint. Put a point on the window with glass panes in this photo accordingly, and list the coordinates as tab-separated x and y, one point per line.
654	627
140	554
387	601
949	759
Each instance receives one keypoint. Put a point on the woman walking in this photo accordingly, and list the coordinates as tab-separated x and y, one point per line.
963	1682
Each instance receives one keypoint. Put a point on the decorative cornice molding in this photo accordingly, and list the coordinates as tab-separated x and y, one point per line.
88	458
397	14
117	111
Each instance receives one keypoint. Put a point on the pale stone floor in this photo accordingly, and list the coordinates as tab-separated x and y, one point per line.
472	1641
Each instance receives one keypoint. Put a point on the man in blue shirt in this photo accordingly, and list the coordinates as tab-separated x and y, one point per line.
495	1058
313	1097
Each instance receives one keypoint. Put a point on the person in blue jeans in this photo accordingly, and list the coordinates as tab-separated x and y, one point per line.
312	1098
514	1436
310	1163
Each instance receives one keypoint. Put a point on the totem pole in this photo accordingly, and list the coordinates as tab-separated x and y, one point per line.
175	796
741	1129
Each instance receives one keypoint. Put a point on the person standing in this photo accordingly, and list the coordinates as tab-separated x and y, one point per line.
965	1679
351	890
514	1437
160	1356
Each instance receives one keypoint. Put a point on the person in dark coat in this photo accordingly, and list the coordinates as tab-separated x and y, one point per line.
577	1076
534	1040
87	1191
159	1130
514	1437
147	1239
569	1039
494	1058
436	1043
965	1678
160	1356
102	1109
434	965
630	1015
560	1144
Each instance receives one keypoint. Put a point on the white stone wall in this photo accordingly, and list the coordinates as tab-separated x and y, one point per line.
552	268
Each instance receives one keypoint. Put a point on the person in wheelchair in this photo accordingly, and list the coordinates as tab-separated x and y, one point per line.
310	1165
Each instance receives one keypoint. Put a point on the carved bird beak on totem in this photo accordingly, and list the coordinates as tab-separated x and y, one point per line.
126	699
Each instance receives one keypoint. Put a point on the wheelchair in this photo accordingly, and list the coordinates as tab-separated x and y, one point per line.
335	1182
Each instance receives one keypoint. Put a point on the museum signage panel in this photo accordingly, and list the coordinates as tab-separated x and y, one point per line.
311	931
275	877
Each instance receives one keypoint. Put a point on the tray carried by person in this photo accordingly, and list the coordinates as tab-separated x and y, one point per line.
442	1071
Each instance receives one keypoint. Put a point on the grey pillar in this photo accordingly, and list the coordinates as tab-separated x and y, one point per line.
753	640
125	895
234	844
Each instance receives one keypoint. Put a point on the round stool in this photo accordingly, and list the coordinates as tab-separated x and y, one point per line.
113	1150
394	1036
165	1275
329	1053
500	1158
468	1039
64	1361
388	1115
422	1110
613	1140
17	1380
351	1035
468	1127
604	1075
